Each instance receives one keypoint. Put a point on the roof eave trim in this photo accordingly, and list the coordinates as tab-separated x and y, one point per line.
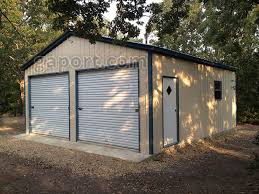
168	52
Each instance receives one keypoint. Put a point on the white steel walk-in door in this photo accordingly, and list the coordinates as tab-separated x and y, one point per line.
108	107
49	105
170	111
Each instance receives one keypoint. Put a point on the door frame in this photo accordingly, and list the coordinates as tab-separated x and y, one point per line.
177	110
29	98
109	68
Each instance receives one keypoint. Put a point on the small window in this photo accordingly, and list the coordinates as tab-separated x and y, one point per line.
218	90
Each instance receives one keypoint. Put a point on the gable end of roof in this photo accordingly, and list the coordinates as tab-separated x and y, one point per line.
140	46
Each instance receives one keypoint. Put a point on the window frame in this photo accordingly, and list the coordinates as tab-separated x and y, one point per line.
218	89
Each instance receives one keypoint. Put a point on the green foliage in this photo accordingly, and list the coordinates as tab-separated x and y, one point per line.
167	16
137	40
224	31
30	32
86	18
127	11
10	98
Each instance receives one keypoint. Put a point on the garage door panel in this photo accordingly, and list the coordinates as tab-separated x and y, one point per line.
49	97
129	110
125	74
106	82
129	125
113	105
107	79
47	120
128	138
53	95
103	85
48	132
41	107
109	102
111	94
50	128
105	112
118	86
127	143
119	119
106	122
108	131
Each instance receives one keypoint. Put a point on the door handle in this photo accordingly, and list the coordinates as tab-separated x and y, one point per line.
32	107
79	108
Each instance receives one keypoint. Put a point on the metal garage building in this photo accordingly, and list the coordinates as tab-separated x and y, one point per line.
123	94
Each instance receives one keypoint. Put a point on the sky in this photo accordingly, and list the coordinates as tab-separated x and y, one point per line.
112	12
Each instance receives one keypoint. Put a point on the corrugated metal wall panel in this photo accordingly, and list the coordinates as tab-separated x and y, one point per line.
109	100
200	114
50	99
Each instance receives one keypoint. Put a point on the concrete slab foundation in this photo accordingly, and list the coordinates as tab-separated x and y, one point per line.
123	154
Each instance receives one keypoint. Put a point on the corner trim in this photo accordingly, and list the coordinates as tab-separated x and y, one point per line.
24	101
150	101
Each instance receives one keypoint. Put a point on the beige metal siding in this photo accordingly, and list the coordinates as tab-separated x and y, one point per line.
83	55
200	114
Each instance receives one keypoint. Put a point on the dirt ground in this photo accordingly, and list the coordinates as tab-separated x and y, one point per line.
222	164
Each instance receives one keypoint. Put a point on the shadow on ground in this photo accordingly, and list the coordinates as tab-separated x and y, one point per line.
213	165
12	125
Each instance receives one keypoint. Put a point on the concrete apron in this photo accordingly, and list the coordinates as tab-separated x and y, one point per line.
123	154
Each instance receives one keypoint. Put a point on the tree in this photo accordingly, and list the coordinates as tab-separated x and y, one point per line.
86	18
166	16
232	29
224	31
26	27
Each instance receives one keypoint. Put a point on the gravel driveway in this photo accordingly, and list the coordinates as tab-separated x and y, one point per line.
217	165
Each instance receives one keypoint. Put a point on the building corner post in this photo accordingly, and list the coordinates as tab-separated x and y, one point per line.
72	106
150	100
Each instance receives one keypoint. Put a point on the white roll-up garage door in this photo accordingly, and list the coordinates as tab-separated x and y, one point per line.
49	105
108	106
